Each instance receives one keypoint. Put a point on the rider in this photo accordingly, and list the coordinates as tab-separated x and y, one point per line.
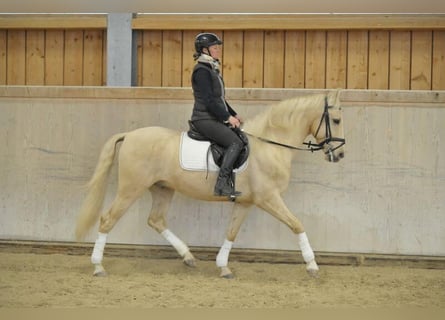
212	116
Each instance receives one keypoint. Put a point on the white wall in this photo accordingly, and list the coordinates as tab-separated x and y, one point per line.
386	196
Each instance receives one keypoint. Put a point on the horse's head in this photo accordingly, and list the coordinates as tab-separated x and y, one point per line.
328	131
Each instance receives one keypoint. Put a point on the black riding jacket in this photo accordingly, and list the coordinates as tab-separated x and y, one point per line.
208	91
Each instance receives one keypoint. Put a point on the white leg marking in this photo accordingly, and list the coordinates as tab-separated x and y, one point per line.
177	243
306	250
223	255
308	254
98	251
312	265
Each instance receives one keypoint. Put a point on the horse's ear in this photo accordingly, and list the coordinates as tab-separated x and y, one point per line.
334	98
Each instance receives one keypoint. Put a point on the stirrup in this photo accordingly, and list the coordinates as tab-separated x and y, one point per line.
233	196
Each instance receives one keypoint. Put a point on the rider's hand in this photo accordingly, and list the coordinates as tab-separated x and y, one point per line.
234	122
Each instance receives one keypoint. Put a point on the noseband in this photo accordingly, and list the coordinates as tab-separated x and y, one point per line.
315	146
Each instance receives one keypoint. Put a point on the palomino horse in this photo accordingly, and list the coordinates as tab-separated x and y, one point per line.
149	159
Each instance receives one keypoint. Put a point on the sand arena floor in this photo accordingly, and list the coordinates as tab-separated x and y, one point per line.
58	280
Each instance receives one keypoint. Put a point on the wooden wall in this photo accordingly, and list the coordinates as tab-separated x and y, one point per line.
53	50
353	59
53	57
395	52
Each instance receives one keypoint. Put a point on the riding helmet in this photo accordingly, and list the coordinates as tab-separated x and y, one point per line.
205	40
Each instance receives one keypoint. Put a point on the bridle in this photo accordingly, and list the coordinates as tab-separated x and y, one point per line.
315	146
328	138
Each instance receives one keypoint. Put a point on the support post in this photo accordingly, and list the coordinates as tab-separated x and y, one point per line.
121	54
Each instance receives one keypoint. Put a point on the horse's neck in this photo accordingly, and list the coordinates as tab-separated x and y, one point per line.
294	132
312	115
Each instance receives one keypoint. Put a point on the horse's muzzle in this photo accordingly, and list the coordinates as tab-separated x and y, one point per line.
332	157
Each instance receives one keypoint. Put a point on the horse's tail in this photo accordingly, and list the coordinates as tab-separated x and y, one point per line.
92	205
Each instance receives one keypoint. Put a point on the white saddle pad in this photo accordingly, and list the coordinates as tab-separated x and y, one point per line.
195	155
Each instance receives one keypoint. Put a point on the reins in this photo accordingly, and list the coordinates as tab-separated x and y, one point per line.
310	145
309	148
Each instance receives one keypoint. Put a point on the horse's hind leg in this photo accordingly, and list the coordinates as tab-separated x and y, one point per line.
123	200
161	199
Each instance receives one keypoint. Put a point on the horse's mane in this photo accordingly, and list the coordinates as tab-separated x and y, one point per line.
283	114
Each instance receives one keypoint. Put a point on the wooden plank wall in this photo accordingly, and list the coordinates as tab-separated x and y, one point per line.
352	59
72	57
395	52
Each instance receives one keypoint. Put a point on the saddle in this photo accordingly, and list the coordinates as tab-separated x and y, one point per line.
217	151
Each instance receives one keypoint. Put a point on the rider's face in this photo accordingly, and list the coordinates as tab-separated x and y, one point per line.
215	51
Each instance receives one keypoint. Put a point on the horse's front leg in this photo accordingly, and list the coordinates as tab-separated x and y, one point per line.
97	255
239	214
277	208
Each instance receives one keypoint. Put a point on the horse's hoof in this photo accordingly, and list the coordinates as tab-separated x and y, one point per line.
100	274
226	273
189	260
312	269
313	273
99	271
190	263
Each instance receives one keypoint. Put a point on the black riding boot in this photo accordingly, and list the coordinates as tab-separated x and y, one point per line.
225	185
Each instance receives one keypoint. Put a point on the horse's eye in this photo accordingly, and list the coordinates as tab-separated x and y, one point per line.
336	121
